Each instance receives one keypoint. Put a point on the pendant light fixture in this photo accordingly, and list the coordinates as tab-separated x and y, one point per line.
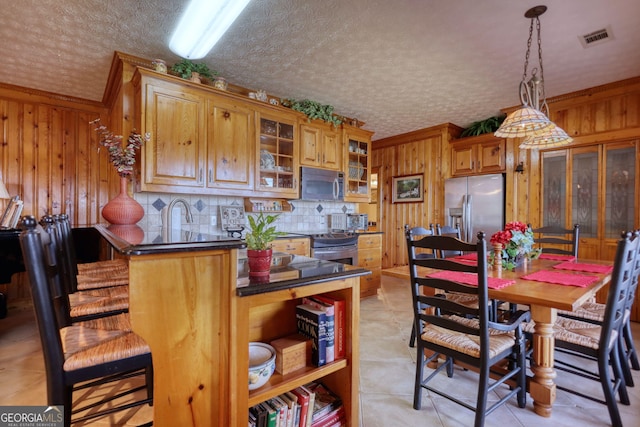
531	121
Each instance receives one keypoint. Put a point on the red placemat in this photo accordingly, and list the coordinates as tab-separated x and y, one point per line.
560	278
589	268
471	279
557	257
469	259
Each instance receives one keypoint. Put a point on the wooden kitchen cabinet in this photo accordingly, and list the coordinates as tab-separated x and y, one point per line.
478	155
357	164
277	161
293	246
320	146
230	149
201	141
370	257
174	115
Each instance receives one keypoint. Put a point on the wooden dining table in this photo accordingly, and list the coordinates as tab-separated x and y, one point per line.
544	300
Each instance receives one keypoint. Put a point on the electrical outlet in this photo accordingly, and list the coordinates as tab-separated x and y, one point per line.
214	220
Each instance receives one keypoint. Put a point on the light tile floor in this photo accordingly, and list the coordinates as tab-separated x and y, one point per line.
387	369
386	376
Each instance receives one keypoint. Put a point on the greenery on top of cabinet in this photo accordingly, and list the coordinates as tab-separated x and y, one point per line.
483	126
185	67
313	110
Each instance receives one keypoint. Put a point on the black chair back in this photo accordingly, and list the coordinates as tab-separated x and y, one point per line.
550	237
447	230
417	233
42	273
423	287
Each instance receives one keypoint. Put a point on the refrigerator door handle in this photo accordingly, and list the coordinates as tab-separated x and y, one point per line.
469	219
463	219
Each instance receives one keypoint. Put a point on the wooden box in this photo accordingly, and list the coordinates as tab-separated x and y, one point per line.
292	353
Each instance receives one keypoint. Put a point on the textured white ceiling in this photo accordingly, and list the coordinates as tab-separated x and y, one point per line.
398	65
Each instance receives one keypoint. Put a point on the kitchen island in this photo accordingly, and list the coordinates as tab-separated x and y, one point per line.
194	303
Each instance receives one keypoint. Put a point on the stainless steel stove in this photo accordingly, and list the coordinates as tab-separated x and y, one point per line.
338	247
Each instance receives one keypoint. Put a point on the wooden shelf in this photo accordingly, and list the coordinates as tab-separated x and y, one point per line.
266	205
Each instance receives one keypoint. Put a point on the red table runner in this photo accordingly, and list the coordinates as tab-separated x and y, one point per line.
560	278
471	279
589	268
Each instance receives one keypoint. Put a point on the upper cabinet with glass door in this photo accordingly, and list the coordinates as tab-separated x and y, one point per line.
357	164
277	156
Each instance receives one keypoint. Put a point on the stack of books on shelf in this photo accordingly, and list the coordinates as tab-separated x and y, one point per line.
311	405
322	319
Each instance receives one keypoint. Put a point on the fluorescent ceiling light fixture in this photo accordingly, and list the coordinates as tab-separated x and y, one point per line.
202	25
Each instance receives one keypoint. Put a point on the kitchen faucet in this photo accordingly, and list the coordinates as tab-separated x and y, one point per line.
169	212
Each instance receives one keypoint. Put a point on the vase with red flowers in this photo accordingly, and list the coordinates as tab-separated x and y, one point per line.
123	209
513	245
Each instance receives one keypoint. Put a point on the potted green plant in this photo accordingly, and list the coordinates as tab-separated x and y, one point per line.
313	110
186	68
259	237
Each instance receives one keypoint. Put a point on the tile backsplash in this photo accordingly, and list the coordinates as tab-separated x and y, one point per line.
306	216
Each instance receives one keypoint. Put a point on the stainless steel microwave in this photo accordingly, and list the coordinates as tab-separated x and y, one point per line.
321	184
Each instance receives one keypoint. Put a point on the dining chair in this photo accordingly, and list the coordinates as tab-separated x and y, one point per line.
447	230
80	305
592	311
416	233
462	333
550	237
77	357
599	342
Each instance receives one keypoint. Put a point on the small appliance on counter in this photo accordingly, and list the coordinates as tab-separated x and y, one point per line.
349	222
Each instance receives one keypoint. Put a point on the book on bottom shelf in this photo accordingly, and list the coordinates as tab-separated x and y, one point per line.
325	402
303	396
329	310
312	323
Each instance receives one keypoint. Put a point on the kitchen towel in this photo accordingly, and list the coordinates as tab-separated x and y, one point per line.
471	279
589	268
560	278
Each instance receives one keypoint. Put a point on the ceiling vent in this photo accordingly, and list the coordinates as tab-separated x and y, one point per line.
596	37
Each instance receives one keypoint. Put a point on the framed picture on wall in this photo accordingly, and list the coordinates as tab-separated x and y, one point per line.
408	188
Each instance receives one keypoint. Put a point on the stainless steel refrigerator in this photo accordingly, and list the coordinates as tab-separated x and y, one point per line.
476	203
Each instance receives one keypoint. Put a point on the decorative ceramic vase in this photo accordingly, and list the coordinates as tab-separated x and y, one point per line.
220	83
123	209
159	65
259	261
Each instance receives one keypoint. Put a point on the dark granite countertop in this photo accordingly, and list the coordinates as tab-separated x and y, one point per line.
288	271
134	240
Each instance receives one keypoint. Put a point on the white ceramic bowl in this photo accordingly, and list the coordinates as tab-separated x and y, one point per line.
262	363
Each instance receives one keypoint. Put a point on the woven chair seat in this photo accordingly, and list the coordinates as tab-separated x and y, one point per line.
117	322
468	344
576	332
102	280
589	310
99	306
463	299
91	295
86	347
112	265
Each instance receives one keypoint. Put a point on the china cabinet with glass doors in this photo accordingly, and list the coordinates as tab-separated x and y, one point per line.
277	162
357	164
594	186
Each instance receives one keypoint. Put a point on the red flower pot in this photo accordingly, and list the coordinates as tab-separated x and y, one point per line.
259	261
